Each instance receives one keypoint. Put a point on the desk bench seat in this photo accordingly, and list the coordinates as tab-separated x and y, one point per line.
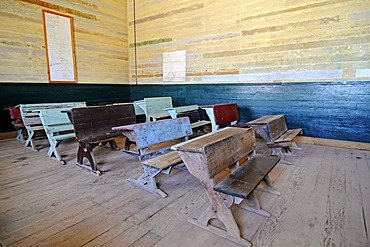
32	121
58	128
209	155
246	178
147	135
164	161
93	126
274	131
288	136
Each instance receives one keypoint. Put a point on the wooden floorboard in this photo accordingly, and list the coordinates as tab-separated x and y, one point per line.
325	201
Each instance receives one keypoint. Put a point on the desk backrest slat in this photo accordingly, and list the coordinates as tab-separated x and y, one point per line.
99	120
30	112
156	105
161	131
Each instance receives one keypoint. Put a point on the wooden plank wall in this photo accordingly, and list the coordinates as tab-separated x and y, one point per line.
100	28
252	41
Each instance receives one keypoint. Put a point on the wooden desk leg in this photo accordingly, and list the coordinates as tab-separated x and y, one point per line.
219	210
85	151
147	181
295	146
211	116
267	187
20	136
29	141
128	144
112	144
253	205
53	150
278	151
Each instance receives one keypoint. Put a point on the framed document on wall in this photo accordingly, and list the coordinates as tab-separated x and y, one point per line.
60	50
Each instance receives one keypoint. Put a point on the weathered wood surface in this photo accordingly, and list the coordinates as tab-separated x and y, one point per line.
247	177
220	149
334	110
148	134
156	161
46	203
93	121
209	155
253	42
269	127
102	51
93	125
174	111
274	131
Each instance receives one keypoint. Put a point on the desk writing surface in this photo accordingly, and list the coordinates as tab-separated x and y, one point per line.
198	144
210	154
265	119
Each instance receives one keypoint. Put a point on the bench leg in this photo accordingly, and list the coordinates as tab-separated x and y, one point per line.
53	150
85	151
295	146
221	212
112	144
253	205
147	181
278	151
267	187
29	141
20	136
128	144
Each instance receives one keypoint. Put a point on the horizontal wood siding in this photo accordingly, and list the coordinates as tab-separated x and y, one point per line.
326	110
23	93
252	41
100	30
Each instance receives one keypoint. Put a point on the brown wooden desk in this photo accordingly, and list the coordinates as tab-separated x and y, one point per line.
274	131
209	155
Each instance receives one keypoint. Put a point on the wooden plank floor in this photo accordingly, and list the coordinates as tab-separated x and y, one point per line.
325	201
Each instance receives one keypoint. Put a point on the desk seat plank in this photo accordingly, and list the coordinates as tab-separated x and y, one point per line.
164	161
289	135
247	177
